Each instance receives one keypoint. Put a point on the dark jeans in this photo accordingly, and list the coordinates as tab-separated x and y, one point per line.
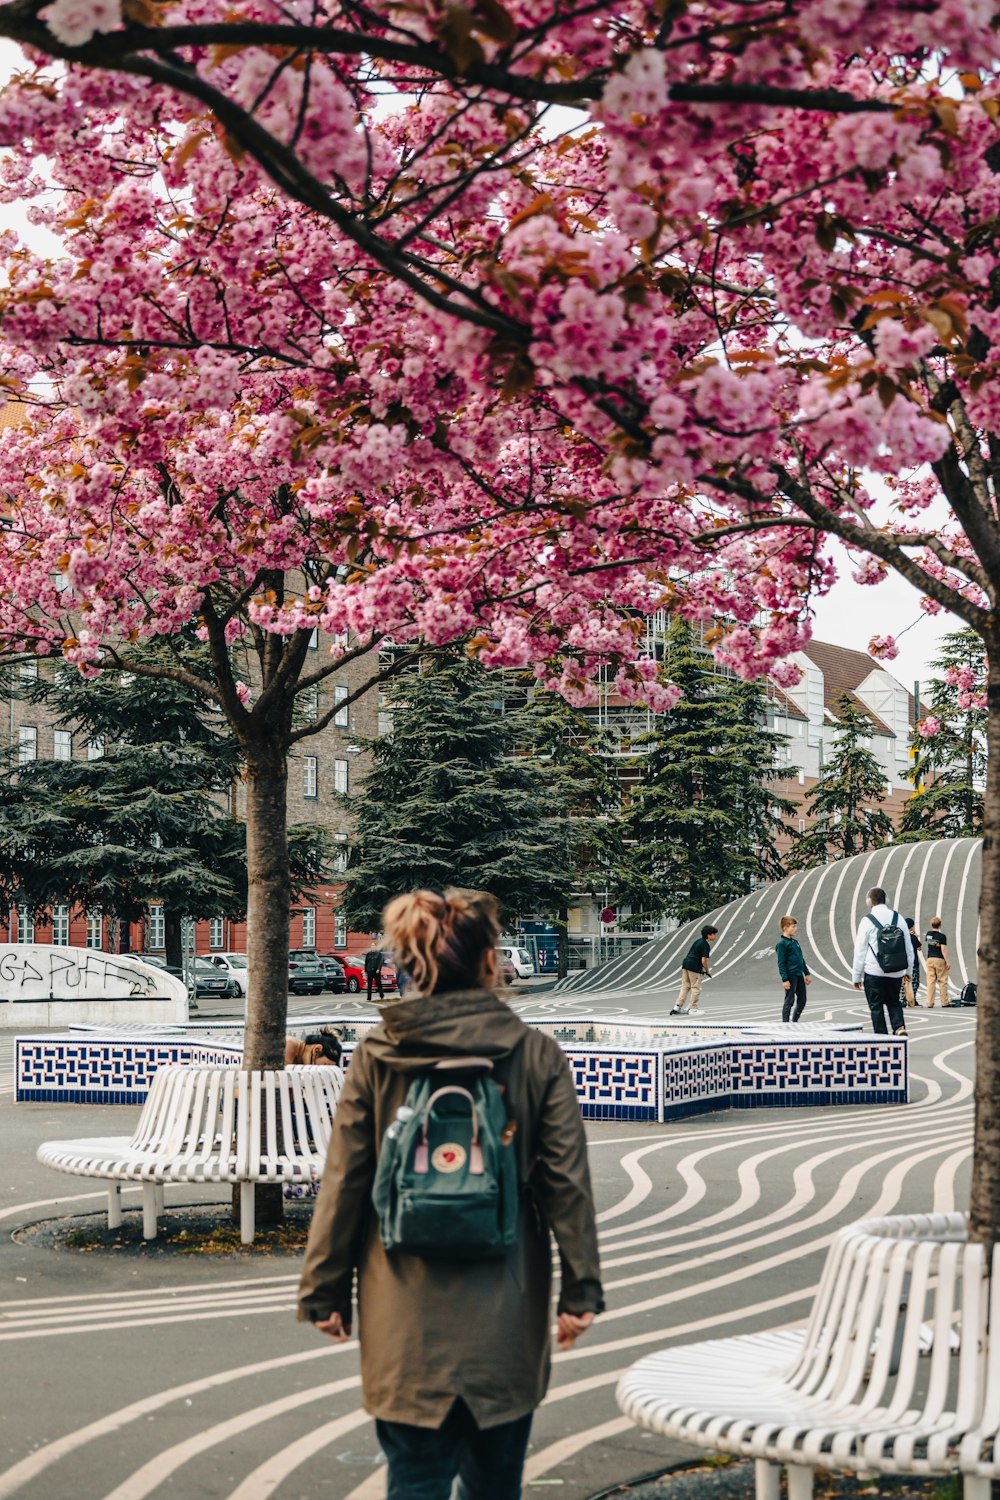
423	1461
375	979
883	996
796	995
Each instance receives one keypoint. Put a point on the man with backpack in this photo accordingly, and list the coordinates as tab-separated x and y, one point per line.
883	957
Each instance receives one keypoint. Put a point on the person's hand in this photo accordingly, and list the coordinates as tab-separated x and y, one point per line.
859	986
947	968
569	1327
786	984
809	979
334	1328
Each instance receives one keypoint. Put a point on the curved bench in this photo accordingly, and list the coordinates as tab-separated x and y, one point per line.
202	1124
889	1375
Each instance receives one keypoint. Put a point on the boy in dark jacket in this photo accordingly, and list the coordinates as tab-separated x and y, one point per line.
792	970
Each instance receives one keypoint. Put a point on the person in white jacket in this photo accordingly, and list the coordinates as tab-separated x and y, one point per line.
882	987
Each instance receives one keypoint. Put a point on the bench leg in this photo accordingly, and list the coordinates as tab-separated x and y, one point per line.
160	1200
248	1225
767	1479
149	1207
800	1482
975	1487
115	1205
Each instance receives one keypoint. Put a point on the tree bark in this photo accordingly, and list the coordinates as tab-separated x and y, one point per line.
268	918
985	1197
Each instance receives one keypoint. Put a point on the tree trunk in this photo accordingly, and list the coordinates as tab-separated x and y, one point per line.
268	907
172	937
562	942
985	1197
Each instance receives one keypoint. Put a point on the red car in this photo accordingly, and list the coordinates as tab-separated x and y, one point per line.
353	966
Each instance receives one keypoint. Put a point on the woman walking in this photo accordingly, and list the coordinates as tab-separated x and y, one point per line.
454	1352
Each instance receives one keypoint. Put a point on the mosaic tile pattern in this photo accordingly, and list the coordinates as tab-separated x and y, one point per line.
668	1076
77	1071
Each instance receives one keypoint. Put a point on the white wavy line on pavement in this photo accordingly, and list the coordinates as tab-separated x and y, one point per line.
186	1289
943	1196
22	1473
557	1453
959	924
639	1190
264	1480
803	1192
145	1320
891	1187
150	1304
754	1228
152	1474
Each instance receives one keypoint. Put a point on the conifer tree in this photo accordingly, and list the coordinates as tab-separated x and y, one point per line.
846	802
949	767
703	821
141	820
458	795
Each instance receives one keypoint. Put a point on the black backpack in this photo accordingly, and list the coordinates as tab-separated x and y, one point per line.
890	945
968	995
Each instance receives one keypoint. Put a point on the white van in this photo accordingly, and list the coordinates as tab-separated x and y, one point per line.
519	959
233	964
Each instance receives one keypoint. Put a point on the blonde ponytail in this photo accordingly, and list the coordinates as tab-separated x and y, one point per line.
445	940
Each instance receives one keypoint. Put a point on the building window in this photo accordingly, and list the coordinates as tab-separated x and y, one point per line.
157	929
314	639
60	926
342	718
27	744
310	779
802	825
339	861
95	748
340	776
25	927
339	929
309	927
62	744
95	929
217	932
309	700
28	671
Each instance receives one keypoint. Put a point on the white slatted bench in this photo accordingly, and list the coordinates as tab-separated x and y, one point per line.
202	1124
851	1390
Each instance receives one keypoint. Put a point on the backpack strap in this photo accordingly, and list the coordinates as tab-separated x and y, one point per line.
421	1161
873	918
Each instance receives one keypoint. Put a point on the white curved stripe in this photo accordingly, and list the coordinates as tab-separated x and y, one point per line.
557	1453
640	1188
263	1481
152	1474
36	1463
959	920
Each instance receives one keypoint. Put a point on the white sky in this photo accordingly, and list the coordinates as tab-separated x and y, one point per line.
850	614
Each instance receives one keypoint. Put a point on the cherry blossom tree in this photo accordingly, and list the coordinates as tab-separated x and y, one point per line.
504	322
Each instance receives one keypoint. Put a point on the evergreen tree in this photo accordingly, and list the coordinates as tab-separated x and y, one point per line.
574	752
457	795
142	821
703	821
846	802
949	768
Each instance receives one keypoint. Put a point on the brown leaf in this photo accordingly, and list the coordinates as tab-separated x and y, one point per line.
495	22
455	35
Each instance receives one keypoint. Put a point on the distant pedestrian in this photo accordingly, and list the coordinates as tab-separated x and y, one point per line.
912	985
694	968
793	971
374	959
883	956
937	963
455	1350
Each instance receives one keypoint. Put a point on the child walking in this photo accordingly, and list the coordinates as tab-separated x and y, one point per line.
694	968
792	970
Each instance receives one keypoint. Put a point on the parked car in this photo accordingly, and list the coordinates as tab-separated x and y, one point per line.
388	974
305	976
235	965
519	959
334	978
354	970
208	980
159	962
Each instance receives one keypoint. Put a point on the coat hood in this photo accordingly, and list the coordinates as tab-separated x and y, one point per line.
415	1034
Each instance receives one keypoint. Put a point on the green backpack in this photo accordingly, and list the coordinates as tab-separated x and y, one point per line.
446	1186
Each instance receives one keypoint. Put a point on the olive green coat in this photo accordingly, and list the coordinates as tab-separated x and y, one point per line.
432	1331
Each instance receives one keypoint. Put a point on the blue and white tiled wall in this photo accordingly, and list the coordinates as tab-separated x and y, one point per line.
666	1076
